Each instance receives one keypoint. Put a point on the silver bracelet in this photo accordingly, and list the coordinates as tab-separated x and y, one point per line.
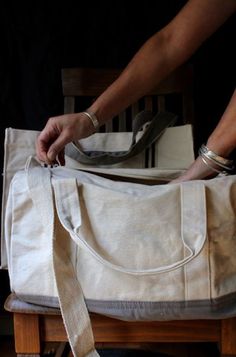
93	119
217	158
204	153
222	173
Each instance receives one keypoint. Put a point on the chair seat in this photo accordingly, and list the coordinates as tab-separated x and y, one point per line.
14	304
34	324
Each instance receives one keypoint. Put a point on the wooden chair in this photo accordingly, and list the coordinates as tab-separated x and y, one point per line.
86	82
34	325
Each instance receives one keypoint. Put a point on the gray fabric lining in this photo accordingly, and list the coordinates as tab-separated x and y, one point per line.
223	307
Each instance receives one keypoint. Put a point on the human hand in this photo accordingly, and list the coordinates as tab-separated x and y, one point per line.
58	132
197	171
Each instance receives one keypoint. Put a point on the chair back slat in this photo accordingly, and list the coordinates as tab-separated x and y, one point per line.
122	121
80	82
161	103
134	109
109	126
148	102
81	86
69	105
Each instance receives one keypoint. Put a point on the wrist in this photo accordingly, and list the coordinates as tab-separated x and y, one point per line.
214	161
219	147
93	119
86	127
102	111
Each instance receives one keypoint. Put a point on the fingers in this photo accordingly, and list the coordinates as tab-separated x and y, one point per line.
58	132
41	149
42	146
197	171
56	149
51	141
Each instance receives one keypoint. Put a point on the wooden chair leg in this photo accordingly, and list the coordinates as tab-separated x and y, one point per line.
27	337
228	337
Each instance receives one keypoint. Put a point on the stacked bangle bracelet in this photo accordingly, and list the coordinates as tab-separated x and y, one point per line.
215	162
93	119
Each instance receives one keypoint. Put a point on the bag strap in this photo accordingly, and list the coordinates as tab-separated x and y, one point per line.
73	308
193	223
153	127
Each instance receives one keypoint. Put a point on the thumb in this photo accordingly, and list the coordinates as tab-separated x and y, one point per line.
56	147
52	153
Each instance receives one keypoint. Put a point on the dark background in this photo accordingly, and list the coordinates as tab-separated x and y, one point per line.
38	38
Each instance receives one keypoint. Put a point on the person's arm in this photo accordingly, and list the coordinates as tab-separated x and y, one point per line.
223	138
160	55
163	53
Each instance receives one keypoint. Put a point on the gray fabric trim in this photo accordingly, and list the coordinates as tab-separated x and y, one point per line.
156	127
222	307
14	304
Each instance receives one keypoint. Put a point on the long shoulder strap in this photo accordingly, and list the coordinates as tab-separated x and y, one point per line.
74	311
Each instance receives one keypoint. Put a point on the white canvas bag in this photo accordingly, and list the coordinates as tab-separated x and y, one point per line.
132	251
173	153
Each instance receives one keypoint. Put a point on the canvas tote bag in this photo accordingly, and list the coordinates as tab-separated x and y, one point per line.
127	250
172	152
167	146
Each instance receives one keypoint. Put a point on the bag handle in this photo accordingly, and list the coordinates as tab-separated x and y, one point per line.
193	209
70	295
153	127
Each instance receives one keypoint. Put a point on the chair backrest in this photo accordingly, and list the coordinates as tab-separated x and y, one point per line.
82	85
